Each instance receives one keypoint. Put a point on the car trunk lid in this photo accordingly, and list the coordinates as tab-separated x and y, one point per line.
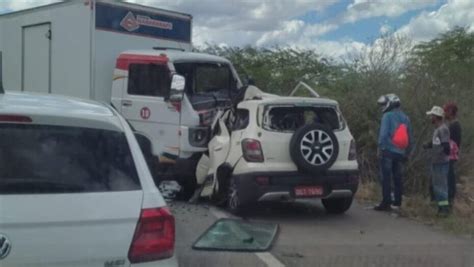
90	229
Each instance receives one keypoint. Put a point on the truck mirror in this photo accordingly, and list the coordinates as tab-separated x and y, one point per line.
178	83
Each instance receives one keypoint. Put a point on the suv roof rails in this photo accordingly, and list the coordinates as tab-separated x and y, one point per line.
168	48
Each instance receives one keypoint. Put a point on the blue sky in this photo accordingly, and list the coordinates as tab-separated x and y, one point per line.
332	27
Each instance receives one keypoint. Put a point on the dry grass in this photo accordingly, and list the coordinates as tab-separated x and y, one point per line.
421	209
368	192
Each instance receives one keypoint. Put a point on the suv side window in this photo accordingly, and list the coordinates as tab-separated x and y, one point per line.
148	80
238	120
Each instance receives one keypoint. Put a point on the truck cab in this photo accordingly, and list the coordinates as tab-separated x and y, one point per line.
173	132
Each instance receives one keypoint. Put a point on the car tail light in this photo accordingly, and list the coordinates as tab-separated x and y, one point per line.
352	151
252	150
154	236
14	118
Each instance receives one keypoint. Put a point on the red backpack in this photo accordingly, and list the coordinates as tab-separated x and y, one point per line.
400	137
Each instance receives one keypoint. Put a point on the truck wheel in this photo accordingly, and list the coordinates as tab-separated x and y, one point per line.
337	205
314	148
234	202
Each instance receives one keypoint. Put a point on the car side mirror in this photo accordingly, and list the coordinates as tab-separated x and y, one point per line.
178	83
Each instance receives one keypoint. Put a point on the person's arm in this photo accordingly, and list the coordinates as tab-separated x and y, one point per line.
384	131
444	138
411	138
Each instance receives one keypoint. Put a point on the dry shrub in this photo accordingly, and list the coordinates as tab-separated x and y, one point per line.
368	192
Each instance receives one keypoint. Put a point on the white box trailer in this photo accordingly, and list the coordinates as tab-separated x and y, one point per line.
71	47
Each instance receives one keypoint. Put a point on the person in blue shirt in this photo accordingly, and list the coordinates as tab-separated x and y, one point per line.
394	145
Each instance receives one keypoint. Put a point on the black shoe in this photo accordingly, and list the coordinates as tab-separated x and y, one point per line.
383	207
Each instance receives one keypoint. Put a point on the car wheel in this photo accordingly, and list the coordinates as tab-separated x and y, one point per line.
234	202
314	148
337	205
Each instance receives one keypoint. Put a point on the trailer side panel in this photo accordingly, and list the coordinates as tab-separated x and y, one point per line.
48	49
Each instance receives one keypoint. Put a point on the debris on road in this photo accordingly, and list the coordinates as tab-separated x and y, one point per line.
169	189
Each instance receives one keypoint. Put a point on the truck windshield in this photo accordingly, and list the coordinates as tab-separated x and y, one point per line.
202	78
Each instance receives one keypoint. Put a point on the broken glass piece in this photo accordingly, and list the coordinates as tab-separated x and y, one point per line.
237	235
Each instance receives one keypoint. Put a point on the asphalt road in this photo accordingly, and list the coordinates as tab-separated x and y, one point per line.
310	237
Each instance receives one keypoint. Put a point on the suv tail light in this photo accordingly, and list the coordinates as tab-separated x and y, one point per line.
154	236
352	151
252	150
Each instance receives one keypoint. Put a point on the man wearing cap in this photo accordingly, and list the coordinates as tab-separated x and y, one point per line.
394	144
440	150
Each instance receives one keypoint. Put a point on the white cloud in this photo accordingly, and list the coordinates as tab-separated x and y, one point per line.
429	24
248	15
362	9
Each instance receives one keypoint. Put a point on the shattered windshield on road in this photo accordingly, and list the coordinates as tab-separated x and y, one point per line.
237	235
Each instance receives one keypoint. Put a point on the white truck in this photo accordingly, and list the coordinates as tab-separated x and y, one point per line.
127	55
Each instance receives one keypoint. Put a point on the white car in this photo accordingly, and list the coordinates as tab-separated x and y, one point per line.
75	189
273	148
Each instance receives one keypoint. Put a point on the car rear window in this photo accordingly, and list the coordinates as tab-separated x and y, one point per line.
40	159
288	118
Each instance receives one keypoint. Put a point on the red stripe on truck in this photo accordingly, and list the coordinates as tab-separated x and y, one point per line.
124	60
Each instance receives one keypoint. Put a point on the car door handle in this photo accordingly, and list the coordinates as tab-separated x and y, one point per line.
219	148
127	103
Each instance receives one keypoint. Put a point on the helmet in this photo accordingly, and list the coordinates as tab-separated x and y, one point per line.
388	102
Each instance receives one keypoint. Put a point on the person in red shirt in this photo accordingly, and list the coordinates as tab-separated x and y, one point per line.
451	111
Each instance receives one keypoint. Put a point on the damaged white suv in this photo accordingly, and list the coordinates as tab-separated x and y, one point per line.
273	148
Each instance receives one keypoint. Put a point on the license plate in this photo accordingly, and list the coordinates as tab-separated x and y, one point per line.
308	191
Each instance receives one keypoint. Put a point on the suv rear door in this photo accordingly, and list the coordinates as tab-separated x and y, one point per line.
280	121
69	196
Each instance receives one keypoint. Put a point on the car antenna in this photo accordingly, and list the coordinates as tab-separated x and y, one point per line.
168	48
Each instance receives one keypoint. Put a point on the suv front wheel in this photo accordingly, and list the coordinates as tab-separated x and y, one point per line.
337	205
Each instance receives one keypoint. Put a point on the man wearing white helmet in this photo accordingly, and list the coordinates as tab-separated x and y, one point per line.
440	150
394	145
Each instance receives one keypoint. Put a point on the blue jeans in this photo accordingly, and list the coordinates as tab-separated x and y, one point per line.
439	180
391	170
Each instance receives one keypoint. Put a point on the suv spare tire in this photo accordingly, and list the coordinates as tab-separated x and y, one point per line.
314	148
